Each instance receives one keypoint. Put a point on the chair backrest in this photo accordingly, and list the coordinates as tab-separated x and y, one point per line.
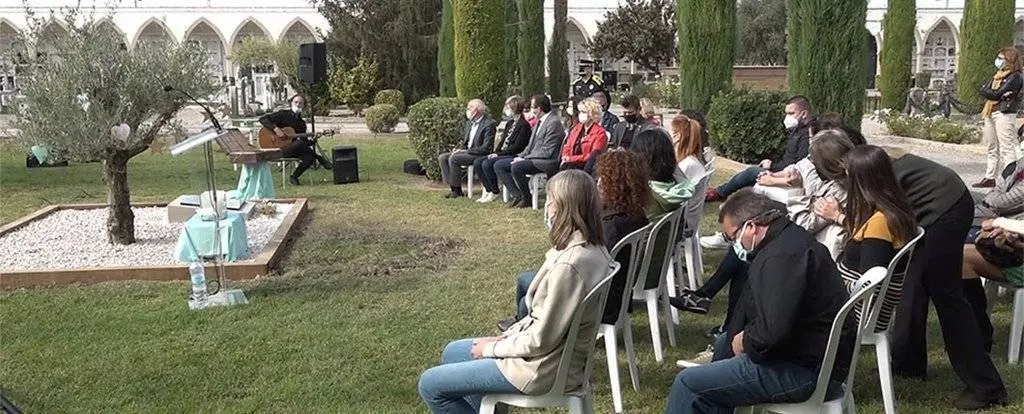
635	242
695	205
864	293
667	226
595	299
896	273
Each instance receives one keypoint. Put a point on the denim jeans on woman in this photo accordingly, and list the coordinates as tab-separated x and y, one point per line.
460	382
742	179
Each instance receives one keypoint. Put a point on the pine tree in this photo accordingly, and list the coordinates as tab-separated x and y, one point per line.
446	50
707	47
986	27
896	54
558	51
826	46
531	46
479	50
511	42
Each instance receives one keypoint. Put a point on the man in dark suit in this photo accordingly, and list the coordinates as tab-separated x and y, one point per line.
540	156
300	148
477	141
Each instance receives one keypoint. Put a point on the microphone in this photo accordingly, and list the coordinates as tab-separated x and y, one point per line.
213	119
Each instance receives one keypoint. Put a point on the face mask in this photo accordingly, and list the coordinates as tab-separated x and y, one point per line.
999	63
584	118
570	111
790	122
737	245
508	112
296	109
631	118
469	115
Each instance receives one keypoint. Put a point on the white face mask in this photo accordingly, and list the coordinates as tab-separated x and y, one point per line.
469	115
296	109
790	122
1000	63
584	117
508	112
737	245
570	111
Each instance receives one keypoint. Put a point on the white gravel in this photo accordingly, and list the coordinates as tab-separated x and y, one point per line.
78	239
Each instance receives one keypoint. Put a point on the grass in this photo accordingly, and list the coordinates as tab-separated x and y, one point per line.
384	273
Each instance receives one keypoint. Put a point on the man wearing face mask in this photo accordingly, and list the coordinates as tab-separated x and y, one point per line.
299	148
477	142
798	123
773	346
633	123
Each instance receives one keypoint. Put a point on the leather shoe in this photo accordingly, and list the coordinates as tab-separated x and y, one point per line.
454	195
967	401
524	203
984	183
512	202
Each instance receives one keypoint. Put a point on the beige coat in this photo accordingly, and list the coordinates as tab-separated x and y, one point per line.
529	351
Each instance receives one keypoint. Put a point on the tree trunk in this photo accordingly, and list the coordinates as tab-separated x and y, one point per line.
121	220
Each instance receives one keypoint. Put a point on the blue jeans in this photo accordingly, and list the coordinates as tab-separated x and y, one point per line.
522	285
460	382
725	384
484	168
742	179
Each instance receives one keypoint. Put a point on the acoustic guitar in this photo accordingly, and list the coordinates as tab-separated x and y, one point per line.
268	139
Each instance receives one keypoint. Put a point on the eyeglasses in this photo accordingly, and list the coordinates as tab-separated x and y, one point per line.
731	238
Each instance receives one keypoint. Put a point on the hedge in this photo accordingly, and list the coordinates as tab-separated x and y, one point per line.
531	46
707	47
381	118
393	97
746	126
435	126
558	50
446	50
826	46
895	56
479	50
986	27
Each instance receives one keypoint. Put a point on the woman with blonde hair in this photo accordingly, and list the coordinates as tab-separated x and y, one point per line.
586	139
686	137
525	357
649	111
1002	99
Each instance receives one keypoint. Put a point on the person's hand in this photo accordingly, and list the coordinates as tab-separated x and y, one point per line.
737	344
492	155
766	164
477	349
988	224
278	132
828	208
771	180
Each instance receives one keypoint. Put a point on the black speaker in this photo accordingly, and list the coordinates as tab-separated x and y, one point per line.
346	164
313	63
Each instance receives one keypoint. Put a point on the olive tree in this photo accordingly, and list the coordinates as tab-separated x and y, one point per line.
95	99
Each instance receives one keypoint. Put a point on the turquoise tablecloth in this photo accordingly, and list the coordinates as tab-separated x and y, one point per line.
42	153
197	239
255	181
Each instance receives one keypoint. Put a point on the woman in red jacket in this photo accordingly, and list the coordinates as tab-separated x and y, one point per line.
586	139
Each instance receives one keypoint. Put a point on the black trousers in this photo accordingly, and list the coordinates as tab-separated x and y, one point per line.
935	275
733	271
305	153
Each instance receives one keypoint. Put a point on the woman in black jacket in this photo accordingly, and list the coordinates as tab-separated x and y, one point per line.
514	141
1002	98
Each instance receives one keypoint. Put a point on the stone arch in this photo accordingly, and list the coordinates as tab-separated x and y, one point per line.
154	30
10	35
108	24
249	27
941	47
206	35
298	29
578	40
1018	33
51	31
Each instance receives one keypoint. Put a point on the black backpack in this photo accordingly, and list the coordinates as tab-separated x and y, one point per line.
413	167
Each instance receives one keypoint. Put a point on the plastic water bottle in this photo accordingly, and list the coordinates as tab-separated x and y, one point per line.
199	293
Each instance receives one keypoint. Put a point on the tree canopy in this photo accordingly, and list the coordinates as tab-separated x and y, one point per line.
761	32
640	30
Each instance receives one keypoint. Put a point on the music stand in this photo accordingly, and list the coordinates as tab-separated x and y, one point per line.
224	296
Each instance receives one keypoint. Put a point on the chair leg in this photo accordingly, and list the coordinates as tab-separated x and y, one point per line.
575	405
487	406
885	373
1016	327
651	297
670	286
991	293
670	326
692	262
469	182
627	341
612	354
504	194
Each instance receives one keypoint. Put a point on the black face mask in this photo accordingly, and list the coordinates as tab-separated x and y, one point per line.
631	118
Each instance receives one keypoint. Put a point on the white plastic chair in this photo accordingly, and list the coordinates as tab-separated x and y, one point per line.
878	335
653	290
688	246
536	185
992	287
634	242
864	294
709	158
556	397
469	181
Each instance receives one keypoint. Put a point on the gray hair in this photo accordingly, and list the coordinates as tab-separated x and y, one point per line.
746	205
478	104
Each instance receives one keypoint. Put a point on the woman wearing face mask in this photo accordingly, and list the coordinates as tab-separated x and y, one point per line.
1002	99
524	358
516	137
586	139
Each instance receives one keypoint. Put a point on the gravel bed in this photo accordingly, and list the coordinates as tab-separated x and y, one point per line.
78	239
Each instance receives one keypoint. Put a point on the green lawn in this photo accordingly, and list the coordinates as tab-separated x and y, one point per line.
383	274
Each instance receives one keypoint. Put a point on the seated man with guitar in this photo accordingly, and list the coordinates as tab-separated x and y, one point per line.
289	134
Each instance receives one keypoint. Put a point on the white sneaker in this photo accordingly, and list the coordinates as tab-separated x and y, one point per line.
702	358
487	198
715	241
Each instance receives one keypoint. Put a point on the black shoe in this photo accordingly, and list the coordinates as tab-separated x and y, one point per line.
453	194
294	181
524	203
967	401
920	376
690	301
504	324
325	163
513	201
714	332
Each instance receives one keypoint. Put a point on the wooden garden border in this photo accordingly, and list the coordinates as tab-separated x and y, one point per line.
264	260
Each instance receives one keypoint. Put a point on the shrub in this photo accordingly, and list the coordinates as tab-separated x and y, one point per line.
707	58
381	118
746	126
932	128
435	126
391	96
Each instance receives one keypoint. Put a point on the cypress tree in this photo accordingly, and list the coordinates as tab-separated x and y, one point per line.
446	50
826	49
479	50
986	27
896	54
558	51
531	46
511	42
707	47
